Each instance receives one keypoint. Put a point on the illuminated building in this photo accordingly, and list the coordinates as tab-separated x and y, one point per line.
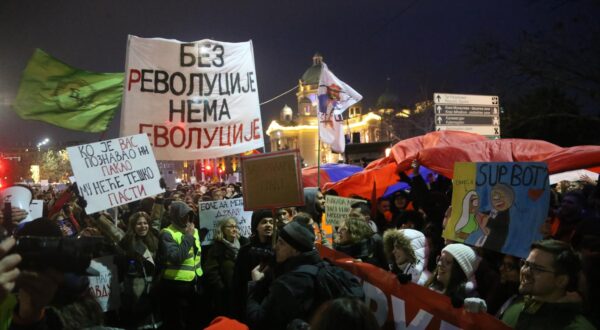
299	130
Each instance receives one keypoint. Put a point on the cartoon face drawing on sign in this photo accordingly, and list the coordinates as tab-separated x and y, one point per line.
495	225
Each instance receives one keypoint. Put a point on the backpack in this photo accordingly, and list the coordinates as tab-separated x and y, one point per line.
331	282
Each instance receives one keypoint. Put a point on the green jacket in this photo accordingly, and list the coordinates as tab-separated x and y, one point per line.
531	314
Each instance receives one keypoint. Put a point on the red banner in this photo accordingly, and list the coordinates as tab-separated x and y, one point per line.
408	306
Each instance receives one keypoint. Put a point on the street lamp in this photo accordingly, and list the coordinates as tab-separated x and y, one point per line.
42	143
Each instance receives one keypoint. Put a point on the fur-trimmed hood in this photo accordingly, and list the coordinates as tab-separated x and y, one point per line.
414	243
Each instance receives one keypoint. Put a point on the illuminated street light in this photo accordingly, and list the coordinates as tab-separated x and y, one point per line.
42	143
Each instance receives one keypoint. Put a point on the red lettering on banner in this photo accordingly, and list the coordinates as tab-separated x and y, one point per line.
237	133
430	310
127	143
134	76
211	138
116	168
255	129
194	137
164	135
127	195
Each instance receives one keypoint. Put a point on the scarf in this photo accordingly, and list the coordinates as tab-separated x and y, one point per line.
234	246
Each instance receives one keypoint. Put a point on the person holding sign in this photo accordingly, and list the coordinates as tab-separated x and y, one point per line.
220	263
140	245
179	251
258	252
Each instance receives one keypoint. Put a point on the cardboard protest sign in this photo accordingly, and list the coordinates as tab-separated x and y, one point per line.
114	172
337	209
272	180
213	211
105	286
499	206
194	99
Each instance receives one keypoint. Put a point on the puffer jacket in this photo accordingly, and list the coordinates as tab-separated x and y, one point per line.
411	240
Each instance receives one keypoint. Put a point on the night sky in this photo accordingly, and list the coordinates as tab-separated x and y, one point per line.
420	45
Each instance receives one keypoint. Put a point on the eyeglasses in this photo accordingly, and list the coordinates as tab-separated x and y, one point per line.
534	268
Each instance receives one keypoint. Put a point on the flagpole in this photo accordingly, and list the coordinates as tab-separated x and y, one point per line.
318	151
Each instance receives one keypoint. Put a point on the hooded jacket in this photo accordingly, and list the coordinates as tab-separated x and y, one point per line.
413	241
310	207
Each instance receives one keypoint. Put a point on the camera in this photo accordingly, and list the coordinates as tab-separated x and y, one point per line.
265	256
65	254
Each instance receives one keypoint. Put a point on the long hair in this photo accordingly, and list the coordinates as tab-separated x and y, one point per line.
358	228
218	234
457	281
150	240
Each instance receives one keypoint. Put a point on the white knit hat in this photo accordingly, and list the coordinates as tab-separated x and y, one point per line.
465	256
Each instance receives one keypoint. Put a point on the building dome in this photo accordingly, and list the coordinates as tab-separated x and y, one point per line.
387	100
286	113
312	74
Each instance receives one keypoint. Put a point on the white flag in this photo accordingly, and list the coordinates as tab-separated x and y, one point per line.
335	96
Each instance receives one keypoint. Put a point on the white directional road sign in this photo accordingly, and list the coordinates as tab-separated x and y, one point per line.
469	113
465	99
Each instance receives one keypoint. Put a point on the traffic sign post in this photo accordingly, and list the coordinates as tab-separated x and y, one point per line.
469	113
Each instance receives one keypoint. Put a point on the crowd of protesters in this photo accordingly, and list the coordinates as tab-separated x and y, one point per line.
169	280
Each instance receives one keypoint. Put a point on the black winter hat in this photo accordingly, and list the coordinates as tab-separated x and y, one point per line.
257	216
298	236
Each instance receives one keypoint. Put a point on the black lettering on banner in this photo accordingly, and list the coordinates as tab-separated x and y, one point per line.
143	150
210	84
200	84
513	175
235	82
210	110
191	59
219	52
85	151
173	84
107	146
192	110
145	80
173	110
161	85
224	88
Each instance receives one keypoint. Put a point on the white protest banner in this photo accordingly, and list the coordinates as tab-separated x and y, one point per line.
114	172
338	208
194	99
213	211
105	286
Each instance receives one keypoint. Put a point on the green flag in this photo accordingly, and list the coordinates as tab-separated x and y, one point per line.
59	94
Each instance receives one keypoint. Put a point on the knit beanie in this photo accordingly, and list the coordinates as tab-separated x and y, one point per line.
257	216
298	236
464	256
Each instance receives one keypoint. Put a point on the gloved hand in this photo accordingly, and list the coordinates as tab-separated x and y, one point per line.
475	305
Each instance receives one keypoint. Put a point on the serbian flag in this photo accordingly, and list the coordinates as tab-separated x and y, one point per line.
335	96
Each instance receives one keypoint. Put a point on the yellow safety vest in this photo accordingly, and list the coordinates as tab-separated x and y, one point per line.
190	267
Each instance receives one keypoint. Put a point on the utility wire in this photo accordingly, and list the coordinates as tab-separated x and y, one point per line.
280	95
